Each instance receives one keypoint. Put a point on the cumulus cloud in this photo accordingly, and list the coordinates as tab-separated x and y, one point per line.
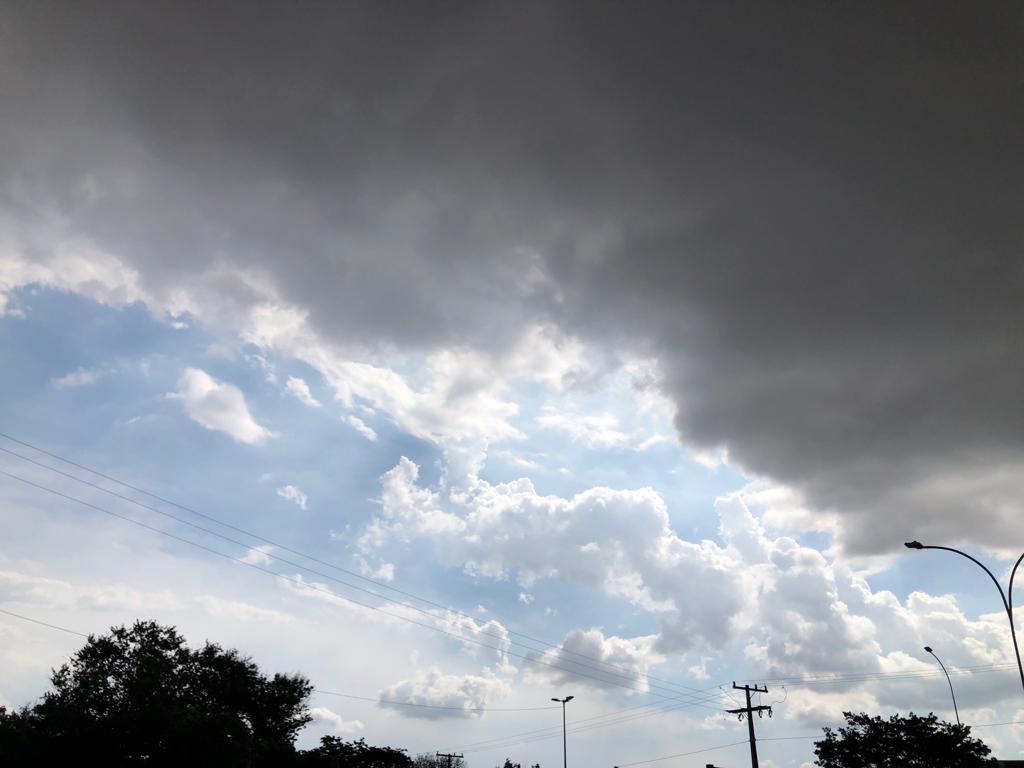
294	495
299	389
603	661
336	722
831	283
459	695
619	542
792	610
218	406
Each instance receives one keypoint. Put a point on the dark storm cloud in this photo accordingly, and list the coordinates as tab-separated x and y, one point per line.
810	212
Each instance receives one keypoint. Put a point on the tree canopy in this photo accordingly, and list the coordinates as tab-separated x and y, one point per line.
430	760
900	742
337	753
140	695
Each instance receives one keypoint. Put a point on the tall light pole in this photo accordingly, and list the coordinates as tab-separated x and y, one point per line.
928	648
563	702
1007	597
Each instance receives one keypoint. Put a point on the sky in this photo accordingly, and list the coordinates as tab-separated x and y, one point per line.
465	355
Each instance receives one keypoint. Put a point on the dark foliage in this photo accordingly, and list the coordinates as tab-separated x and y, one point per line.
900	742
140	696
335	753
428	760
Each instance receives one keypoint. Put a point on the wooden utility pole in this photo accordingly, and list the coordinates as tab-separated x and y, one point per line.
449	757
748	712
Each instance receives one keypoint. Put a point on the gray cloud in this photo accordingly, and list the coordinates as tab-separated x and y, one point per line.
809	213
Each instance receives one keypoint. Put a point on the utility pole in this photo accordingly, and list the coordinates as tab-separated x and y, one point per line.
748	712
449	757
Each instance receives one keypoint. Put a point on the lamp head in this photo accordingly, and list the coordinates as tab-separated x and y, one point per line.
569	698
913	545
928	648
558	700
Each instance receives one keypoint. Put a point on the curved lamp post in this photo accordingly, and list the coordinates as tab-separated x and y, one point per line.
1007	597
565	756
956	711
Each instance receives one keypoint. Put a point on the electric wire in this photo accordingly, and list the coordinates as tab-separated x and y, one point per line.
311	586
840	679
498	743
809	680
315	572
137	489
389	702
67	630
682	754
615	717
610	714
556	731
393	702
710	749
43	623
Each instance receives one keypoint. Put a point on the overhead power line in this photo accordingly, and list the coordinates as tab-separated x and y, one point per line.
681	754
315	587
385	701
636	677
615	717
389	702
652	682
392	702
851	678
43	623
543	734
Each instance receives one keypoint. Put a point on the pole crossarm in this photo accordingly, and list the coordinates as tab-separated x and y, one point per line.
449	756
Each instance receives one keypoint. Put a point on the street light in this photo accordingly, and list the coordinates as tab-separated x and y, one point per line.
928	648
1007	597
563	702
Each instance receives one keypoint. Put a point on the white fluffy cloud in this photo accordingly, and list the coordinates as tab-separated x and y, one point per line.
791	609
460	695
294	495
218	406
299	389
601	661
336	722
619	542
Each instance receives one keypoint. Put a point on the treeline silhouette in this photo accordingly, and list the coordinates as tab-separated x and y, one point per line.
140	696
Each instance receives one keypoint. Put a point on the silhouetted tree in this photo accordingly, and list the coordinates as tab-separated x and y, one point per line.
337	753
428	760
900	742
141	696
